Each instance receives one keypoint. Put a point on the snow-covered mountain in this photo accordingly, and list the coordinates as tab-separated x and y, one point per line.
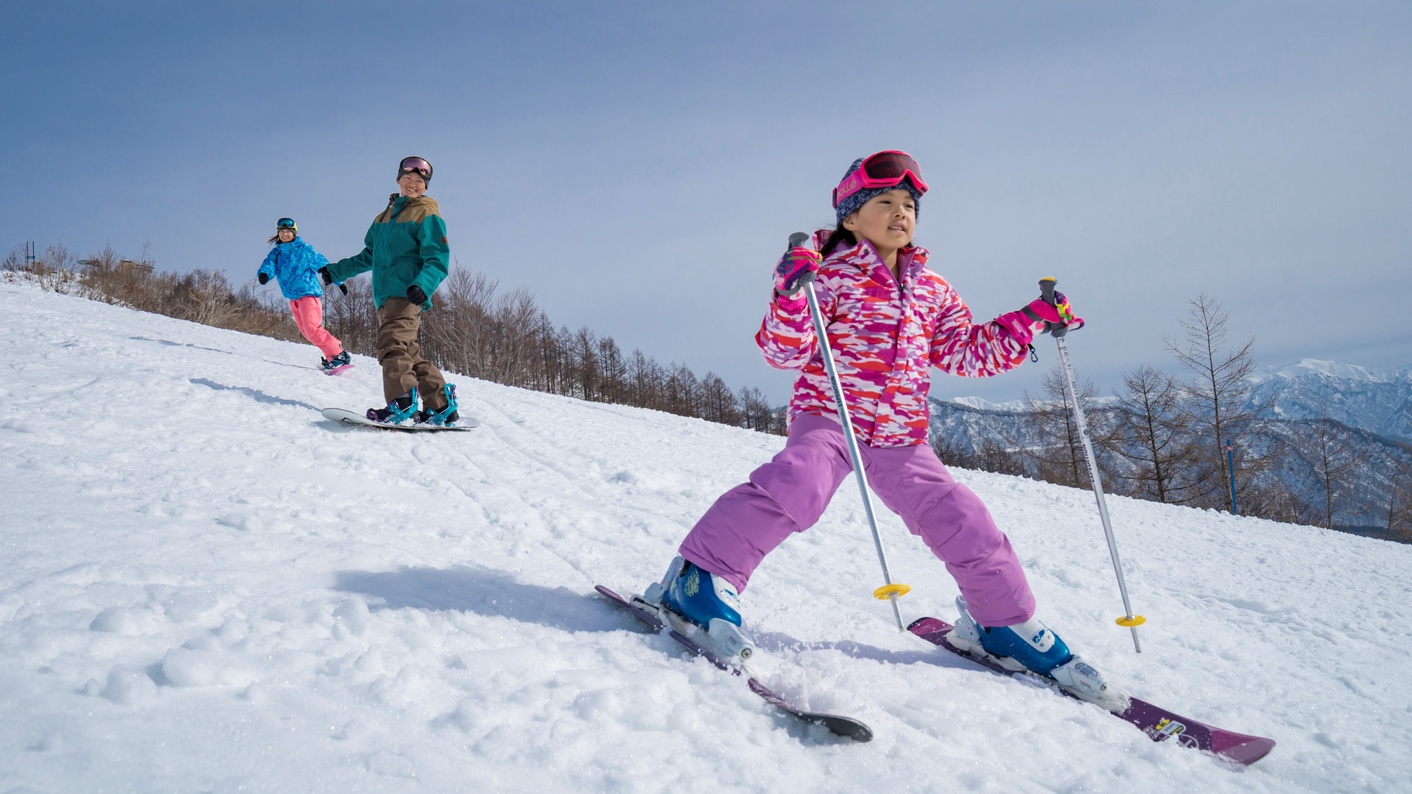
1378	401
1367	414
1375	401
207	587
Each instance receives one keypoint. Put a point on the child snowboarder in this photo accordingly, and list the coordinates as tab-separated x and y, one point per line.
295	264
889	319
406	249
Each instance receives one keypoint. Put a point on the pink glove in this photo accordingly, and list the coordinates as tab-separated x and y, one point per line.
796	266
1053	310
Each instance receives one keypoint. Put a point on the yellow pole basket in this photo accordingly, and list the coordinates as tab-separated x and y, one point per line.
890	590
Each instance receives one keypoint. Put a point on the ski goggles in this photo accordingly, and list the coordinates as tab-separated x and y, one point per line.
884	169
285	223
414	165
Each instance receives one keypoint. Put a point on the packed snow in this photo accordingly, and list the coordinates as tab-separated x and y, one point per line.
208	587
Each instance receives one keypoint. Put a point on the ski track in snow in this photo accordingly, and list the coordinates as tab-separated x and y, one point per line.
207	586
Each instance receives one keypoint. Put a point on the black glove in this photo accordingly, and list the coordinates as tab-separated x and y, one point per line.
416	295
343	287
263	278
323	271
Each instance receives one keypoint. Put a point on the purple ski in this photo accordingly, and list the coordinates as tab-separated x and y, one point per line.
842	726
1158	723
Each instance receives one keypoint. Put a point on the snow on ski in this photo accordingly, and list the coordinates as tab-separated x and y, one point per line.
846	727
1158	723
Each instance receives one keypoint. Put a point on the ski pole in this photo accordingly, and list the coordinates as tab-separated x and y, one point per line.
888	591
1131	621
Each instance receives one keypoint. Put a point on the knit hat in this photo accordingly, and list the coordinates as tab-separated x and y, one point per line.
851	204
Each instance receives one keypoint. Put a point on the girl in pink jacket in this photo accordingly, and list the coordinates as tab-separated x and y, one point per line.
890	320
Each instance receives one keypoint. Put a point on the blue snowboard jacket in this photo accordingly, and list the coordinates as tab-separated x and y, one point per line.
295	265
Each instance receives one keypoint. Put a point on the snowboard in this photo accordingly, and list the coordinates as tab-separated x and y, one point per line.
347	417
337	370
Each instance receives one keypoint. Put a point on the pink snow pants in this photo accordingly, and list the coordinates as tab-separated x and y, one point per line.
789	494
309	316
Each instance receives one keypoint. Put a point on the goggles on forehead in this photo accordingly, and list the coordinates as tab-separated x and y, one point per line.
415	165
285	223
884	169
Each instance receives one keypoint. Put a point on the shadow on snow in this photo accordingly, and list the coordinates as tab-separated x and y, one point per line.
484	592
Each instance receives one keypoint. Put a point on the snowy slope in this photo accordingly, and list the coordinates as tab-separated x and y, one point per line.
207	587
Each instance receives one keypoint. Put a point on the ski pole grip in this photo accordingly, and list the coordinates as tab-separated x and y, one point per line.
1046	288
1046	293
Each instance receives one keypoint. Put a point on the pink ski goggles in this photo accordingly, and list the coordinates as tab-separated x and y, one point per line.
884	169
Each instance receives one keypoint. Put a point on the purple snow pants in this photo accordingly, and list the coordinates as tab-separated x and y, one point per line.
789	493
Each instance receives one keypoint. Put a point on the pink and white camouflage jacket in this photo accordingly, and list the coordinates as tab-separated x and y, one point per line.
885	340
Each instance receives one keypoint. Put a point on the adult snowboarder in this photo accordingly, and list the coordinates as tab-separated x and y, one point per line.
406	250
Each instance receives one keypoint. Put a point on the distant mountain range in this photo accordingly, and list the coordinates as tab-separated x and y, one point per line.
1377	401
1365	415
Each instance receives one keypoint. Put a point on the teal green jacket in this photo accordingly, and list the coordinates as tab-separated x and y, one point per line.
406	245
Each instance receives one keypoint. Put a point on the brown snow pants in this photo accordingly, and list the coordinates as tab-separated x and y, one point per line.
403	367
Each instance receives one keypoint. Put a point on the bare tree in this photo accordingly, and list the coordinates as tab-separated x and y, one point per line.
1154	435
54	270
644	381
1218	389
352	317
1399	508
458	333
613	369
755	411
1334	459
58	270
1060	457
718	402
682	391
110	278
14	261
583	353
204	296
952	454
549	359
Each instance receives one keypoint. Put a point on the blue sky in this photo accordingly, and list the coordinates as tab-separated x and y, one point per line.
638	165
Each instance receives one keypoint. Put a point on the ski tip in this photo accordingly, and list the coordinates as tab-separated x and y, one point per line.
847	727
1241	749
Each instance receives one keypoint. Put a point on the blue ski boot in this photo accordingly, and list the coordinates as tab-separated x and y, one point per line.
340	360
1029	646
400	411
446	417
688	595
